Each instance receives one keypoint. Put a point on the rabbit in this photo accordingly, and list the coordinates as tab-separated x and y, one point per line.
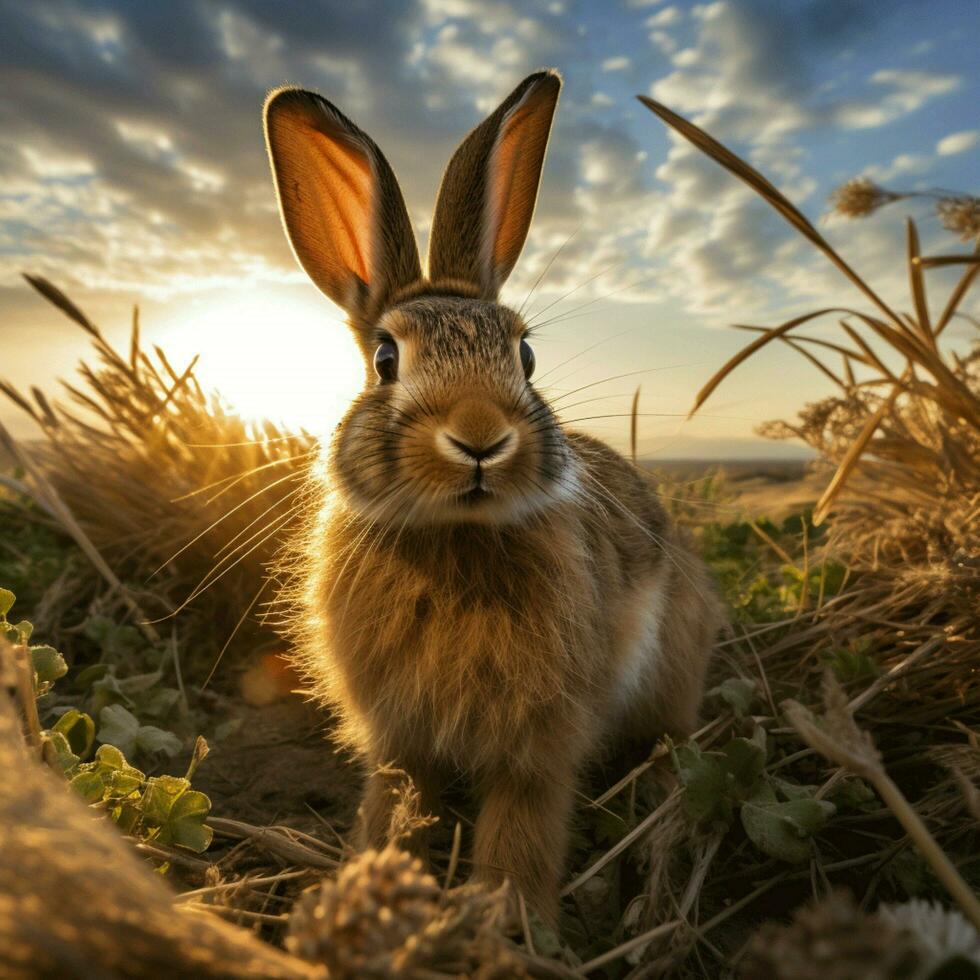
478	590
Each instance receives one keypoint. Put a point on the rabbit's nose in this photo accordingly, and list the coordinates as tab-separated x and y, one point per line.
477	431
481	453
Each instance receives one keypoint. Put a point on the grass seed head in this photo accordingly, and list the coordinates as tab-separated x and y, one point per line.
384	917
834	940
960	215
836	736
859	197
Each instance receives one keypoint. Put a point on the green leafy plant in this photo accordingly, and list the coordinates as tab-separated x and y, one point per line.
758	590
853	662
36	553
779	817
141	694
738	693
164	809
119	727
46	663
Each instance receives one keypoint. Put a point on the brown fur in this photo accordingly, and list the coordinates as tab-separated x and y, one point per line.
499	618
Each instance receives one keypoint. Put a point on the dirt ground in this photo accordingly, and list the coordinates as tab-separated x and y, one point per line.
278	765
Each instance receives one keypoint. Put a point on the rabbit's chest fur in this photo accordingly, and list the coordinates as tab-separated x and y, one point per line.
466	644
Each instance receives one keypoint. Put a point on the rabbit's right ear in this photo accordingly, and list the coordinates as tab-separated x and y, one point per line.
341	204
490	187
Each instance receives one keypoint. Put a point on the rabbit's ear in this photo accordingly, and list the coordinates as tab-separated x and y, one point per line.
490	187
341	204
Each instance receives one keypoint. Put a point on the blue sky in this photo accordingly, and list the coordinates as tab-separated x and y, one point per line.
133	169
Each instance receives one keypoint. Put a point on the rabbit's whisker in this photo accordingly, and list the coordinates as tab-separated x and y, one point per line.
263	535
293	437
235	478
224	517
578	310
664	545
582	353
615	377
544	309
547	268
238	625
255	520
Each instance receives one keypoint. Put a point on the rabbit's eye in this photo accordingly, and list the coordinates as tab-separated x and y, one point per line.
386	361
527	359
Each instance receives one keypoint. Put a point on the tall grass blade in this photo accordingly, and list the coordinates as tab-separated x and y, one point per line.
55	296
935	261
771	334
749	175
633	423
918	285
956	297
851	459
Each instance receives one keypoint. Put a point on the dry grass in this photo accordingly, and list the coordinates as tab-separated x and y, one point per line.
184	498
904	432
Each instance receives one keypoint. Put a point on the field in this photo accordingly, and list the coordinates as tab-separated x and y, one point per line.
824	821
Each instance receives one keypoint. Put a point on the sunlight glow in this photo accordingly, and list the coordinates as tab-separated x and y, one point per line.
289	360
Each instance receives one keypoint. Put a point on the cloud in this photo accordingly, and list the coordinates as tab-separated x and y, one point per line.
143	166
619	63
131	155
909	91
958	142
663	41
471	48
490	16
687	57
667	17
905	164
745	79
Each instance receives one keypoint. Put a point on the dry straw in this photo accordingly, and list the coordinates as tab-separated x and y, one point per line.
919	424
837	737
158	478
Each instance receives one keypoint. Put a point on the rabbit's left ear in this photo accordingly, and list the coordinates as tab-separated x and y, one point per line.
490	188
341	204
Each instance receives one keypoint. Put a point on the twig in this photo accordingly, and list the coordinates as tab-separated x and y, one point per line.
638	831
930	646
623	948
174	856
233	913
242	883
275	841
453	857
945	870
526	925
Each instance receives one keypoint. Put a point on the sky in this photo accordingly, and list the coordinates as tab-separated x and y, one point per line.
132	170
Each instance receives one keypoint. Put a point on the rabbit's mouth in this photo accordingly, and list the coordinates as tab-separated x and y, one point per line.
475	495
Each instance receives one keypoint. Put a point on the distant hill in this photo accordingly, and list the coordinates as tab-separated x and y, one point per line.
721	449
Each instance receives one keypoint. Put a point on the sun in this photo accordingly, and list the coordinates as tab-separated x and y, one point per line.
271	357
